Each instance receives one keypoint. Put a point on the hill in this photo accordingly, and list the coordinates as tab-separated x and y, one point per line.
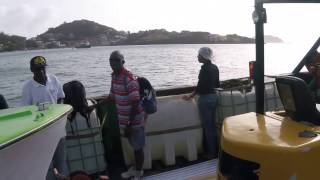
79	32
73	33
76	32
11	43
272	39
161	36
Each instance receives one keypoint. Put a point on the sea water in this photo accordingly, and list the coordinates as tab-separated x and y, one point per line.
165	66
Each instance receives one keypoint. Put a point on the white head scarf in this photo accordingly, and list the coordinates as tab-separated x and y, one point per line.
206	53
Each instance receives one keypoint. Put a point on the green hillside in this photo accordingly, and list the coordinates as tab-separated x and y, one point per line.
87	32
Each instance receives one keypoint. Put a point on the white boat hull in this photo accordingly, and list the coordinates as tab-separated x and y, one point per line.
29	159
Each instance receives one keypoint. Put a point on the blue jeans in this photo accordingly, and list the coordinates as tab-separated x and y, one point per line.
207	105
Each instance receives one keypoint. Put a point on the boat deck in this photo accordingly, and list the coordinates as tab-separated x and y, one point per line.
201	171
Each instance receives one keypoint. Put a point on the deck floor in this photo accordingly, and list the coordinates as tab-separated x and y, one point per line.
201	171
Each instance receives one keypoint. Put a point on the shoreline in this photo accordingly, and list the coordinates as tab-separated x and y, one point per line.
93	46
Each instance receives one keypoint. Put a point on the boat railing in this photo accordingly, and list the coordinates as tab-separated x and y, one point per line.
236	97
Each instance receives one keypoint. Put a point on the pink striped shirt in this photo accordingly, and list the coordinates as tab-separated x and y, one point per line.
124	90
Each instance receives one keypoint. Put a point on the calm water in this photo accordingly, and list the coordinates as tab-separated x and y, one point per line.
164	65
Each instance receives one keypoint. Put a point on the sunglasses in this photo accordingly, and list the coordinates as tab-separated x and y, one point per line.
39	68
115	59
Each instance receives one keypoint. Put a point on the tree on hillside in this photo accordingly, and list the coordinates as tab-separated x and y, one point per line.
11	43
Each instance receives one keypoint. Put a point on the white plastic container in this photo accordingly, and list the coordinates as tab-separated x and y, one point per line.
174	130
234	101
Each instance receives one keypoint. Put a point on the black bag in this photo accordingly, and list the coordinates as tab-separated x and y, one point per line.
147	95
3	103
75	95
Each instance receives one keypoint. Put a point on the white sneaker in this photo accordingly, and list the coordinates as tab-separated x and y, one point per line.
132	172
137	178
138	175
129	173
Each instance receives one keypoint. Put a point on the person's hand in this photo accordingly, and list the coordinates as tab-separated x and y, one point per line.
89	109
313	69
99	103
128	131
187	97
58	175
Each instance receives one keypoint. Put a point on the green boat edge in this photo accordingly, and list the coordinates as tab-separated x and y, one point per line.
63	110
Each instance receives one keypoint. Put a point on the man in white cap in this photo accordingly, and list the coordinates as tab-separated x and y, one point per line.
208	99
46	88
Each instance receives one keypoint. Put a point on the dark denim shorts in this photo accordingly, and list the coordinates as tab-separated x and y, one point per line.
137	138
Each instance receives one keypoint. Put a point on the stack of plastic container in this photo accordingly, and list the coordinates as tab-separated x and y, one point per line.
174	130
241	100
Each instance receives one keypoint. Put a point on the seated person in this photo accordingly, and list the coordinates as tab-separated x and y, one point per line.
46	88
314	84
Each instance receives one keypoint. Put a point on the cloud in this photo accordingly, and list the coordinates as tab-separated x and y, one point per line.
24	19
12	19
32	17
42	20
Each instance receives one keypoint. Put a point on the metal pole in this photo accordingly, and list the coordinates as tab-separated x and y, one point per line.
259	65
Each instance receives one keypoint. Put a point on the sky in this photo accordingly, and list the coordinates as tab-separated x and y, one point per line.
30	18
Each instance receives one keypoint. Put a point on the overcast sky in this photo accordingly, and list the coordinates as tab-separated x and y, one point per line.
33	17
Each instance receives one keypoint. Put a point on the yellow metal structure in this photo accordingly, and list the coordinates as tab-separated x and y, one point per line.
275	143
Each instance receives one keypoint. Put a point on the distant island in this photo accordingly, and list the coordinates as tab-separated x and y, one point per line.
272	39
80	32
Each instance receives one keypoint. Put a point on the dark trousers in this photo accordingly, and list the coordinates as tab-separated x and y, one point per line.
207	105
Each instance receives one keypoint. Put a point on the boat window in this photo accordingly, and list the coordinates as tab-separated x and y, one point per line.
304	69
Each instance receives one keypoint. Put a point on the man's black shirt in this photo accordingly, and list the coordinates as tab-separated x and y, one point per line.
208	79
